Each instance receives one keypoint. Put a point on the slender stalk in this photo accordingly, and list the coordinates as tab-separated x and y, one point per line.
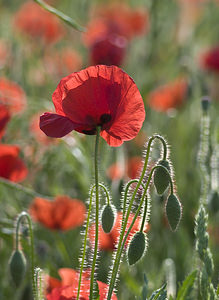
21	188
122	243
97	213
86	233
85	242
145	214
114	272
20	217
60	15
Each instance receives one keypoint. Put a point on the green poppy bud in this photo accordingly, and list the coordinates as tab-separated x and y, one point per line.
17	266
173	211
137	247
108	218
161	178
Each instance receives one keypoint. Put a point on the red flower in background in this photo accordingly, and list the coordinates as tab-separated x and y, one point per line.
132	168
108	32
210	60
11	166
4	119
116	19
67	288
97	96
63	62
109	50
168	96
4	53
62	214
12	96
34	21
107	241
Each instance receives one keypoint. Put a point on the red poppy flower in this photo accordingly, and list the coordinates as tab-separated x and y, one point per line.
168	96
4	119
69	287
34	21
11	166
62	214
97	96
210	60
12	96
107	241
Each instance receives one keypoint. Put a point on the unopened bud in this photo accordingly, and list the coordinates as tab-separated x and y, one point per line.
17	266
173	211
137	247
108	218
161	178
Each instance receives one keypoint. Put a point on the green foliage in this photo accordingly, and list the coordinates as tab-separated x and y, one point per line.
186	287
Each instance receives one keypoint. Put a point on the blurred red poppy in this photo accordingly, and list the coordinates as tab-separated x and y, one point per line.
34	21
63	62
68	286
4	119
97	96
4	53
132	168
210	59
12	96
108	33
109	50
62	214
168	96
11	166
107	241
116	19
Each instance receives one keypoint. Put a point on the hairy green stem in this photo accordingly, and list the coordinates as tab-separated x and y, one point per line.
97	213
86	233
145	214
121	246
20	217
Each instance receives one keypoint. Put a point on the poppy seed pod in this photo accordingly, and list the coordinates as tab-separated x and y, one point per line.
17	266
108	218
161	178
136	247
173	211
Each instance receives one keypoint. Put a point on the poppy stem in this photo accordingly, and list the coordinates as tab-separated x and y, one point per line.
123	228
17	240
96	214
85	241
145	214
86	232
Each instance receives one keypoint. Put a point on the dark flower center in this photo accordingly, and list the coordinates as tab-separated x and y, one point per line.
105	118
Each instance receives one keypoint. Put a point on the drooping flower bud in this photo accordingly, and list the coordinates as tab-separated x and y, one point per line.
108	218
17	266
173	211
136	247
161	178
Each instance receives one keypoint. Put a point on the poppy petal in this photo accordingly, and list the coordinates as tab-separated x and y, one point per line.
56	126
